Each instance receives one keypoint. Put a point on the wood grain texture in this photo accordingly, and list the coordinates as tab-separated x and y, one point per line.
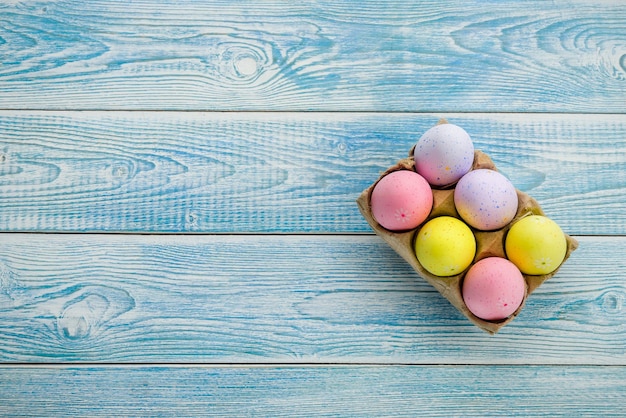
280	172
273	315
284	299
392	391
317	55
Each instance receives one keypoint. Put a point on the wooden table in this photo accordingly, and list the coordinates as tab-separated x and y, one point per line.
177	205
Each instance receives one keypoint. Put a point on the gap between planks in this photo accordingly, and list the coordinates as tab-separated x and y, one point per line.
438	112
287	365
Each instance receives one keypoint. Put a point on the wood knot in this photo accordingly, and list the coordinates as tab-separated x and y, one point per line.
90	309
9	283
612	302
244	62
77	320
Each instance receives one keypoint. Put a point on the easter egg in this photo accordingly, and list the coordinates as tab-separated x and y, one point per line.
493	288
485	199
536	245
401	200
445	246
444	154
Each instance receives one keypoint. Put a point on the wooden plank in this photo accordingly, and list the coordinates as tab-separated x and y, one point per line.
287	299
280	172
323	55
392	391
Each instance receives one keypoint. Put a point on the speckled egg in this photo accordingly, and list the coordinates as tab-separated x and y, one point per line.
485	199
401	200
536	245
444	154
445	246
493	288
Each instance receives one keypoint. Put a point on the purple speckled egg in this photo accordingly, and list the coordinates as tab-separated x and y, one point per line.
485	199
444	154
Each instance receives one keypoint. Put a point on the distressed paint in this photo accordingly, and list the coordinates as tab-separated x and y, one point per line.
361	391
321	299
323	55
280	172
247	324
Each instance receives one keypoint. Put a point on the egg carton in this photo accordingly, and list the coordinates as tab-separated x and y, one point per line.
488	243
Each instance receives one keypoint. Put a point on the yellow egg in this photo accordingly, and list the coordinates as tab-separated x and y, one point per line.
445	246
536	245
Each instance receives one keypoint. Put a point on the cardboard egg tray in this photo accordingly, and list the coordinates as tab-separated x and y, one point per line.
488	243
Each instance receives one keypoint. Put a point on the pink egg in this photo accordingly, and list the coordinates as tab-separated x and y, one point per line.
485	199
493	288
401	200
444	154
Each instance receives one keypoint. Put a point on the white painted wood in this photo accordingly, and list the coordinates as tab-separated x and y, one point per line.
283	391
284	299
567	56
280	172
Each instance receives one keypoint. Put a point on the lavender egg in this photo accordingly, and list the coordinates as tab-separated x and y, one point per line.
485	199
444	154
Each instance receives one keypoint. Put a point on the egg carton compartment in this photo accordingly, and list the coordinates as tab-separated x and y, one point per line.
488	243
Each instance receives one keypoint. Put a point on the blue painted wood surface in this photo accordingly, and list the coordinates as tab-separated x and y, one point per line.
321	299
402	391
178	231
295	172
497	56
